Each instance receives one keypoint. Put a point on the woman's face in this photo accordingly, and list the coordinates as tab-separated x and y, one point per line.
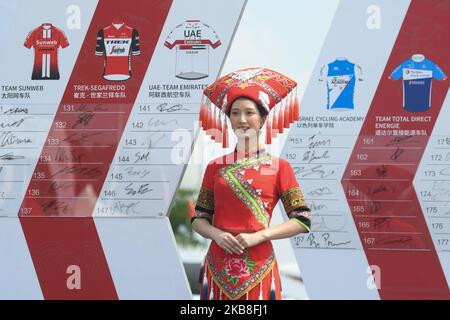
245	118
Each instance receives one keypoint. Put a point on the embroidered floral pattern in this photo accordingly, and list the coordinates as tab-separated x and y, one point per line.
292	199
230	288
236	268
234	176
201	214
297	214
206	199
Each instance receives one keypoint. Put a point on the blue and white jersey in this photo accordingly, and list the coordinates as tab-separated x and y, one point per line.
340	76
418	73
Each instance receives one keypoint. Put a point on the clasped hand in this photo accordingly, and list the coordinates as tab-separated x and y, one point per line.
237	244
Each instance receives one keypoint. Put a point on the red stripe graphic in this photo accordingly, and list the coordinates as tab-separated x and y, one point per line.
56	214
379	176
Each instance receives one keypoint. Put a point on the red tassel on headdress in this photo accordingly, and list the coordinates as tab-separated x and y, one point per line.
201	115
287	113
291	108
268	132
225	133
296	108
274	124
204	289
209	121
218	137
280	120
206	119
213	125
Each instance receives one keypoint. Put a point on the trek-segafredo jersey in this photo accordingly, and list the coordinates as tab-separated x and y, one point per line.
192	40
340	76
418	73
46	41
116	42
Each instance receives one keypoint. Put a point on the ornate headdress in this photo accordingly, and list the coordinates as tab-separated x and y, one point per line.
269	89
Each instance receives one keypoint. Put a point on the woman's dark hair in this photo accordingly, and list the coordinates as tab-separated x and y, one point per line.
262	112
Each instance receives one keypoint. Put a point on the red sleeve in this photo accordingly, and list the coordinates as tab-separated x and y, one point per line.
291	195
205	201
29	40
63	40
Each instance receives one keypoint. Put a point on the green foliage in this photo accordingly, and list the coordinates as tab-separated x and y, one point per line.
181	225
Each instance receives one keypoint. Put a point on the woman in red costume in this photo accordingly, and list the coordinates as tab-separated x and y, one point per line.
241	189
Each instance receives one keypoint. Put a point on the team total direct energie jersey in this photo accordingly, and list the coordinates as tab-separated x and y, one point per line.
340	76
46	40
116	43
418	73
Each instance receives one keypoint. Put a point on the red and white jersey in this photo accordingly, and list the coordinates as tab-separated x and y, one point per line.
116	42
192	40
46	40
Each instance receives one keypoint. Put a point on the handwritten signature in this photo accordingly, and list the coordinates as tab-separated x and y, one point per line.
377	189
142	156
393	240
80	137
84	107
397	153
142	189
8	138
312	143
325	224
10	156
177	107
316	170
324	241
151	141
401	140
310	156
62	156
15	124
83	119
57	205
59	186
16	110
320	191
154	122
90	172
120	207
131	171
445	171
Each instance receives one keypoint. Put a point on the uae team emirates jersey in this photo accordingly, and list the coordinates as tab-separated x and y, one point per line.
192	40
46	40
116	43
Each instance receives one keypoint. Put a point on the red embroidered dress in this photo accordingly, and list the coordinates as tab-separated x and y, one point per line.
238	195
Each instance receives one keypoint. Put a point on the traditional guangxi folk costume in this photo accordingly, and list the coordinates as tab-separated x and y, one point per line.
240	191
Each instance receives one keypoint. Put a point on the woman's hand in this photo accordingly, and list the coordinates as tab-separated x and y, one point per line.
249	239
228	242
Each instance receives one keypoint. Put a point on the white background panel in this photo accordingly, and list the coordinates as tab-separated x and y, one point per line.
143	258
18	278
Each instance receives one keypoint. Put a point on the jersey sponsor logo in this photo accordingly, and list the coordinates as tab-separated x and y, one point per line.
409	74
336	81
116	51
46	43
